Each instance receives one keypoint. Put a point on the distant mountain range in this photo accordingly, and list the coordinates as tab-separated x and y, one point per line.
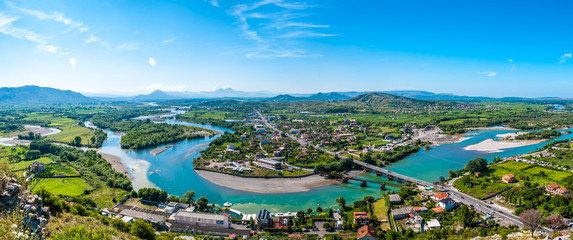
29	95
34	95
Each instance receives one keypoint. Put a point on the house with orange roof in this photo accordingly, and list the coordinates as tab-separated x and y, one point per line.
508	178
366	233
361	218
438	209
439	196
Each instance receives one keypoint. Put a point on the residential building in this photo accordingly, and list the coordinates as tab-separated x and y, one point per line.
361	218
37	167
433	224
263	219
231	147
447	203
337	219
403	212
508	178
201	219
394	199
173	207
554	188
439	196
437	209
366	233
268	163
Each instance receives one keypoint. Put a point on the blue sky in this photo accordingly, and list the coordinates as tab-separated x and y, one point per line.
486	48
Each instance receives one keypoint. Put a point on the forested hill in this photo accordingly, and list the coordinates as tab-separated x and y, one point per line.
34	95
384	100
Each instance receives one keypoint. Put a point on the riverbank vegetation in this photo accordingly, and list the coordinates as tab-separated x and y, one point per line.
142	134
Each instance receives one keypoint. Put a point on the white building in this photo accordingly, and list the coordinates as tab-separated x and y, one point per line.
434	224
201	219
447	204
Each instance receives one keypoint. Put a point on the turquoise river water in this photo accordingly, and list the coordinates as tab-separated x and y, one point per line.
172	171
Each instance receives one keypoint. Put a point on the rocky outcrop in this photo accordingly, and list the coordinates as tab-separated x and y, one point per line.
14	198
9	193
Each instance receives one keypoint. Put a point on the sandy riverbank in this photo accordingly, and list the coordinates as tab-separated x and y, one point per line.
493	146
116	164
271	185
159	150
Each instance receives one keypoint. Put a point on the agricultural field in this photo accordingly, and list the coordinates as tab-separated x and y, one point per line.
104	196
381	211
63	186
25	164
70	132
490	181
70	128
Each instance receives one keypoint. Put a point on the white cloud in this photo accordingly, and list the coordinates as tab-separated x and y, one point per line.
168	41
513	67
92	39
282	21
56	16
73	62
296	34
168	88
489	74
213	2
7	28
510	60
152	62
129	46
49	48
565	57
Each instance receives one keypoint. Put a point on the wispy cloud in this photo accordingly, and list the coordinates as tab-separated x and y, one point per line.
7	28
55	16
168	41
213	2
129	46
272	28
565	57
489	74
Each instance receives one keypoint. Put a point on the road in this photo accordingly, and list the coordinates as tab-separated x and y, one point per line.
479	205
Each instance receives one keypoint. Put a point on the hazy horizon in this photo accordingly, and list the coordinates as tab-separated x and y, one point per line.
490	48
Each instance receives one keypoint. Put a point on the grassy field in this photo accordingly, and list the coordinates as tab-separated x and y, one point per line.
381	212
26	164
103	196
490	181
531	171
61	169
70	128
70	132
11	152
63	186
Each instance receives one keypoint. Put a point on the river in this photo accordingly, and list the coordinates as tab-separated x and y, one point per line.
172	171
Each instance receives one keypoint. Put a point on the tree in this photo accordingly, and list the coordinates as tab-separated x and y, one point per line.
77	141
530	218
496	159
452	173
341	202
143	230
466	215
556	222
188	197
202	203
309	211
476	165
319	209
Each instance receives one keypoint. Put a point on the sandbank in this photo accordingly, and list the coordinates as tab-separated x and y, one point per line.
116	164
493	146
266	185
